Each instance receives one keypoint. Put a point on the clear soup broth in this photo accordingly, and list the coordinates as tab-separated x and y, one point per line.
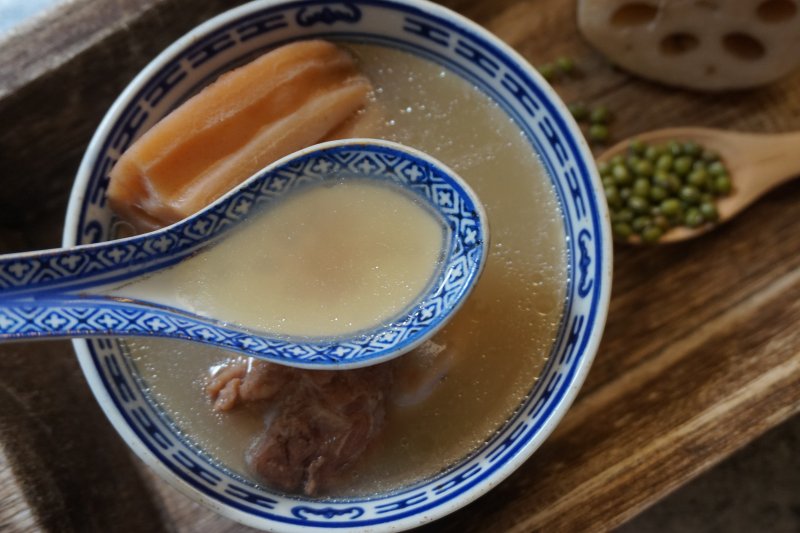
332	260
487	358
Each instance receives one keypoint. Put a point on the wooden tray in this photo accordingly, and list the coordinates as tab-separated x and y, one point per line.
701	352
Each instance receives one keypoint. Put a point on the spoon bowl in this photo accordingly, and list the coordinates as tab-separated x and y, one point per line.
69	292
756	163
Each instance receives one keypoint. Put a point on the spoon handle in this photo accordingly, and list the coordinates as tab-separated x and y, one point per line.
81	268
99	316
90	317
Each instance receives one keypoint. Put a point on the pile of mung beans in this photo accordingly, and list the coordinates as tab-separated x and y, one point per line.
651	188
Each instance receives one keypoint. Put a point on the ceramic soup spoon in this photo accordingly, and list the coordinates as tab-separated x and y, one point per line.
756	164
69	292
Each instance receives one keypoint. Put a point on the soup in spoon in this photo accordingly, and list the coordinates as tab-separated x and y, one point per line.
331	260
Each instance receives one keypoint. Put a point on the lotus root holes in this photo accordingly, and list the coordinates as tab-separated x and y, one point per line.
743	46
678	43
634	14
774	11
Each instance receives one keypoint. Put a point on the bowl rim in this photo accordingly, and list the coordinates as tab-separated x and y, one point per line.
79	191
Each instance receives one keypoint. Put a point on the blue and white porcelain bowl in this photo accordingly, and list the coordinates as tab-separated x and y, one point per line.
464	48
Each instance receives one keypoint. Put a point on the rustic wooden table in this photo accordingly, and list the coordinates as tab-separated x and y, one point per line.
700	356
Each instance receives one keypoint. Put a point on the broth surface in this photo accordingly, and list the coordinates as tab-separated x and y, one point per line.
496	344
331	260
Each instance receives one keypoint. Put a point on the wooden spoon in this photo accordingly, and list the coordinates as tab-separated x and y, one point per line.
756	163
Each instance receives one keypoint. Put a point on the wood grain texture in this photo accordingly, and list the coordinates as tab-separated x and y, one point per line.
701	352
42	44
15	512
75	474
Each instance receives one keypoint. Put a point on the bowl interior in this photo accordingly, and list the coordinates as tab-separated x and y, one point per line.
428	31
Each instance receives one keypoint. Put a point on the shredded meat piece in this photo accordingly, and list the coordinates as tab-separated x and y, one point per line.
321	423
224	386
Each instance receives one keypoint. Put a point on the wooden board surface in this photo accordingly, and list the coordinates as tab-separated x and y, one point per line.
701	352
